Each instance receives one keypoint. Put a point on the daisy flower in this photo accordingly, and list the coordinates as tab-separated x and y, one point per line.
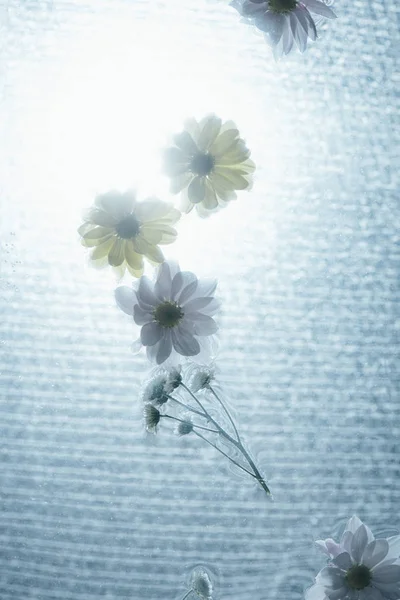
361	566
175	313
201	584
161	384
285	21
208	162
200	376
122	231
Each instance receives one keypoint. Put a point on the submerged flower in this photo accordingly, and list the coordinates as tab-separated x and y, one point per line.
161	384
362	567
285	21
201	584
200	377
185	427
209	161
152	417
175	313
157	390
122	231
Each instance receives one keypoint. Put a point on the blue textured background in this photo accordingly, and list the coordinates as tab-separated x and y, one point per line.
308	265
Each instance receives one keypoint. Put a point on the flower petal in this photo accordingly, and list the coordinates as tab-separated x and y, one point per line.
196	304
320	8
224	143
359	543
100	217
330	577
315	592
343	561
329	547
116	255
125	298
185	142
152	209
184	342
141	316
162	287
386	574
188	290
394	546
116	204
203	324
145	294
179	280
97	233
206	287
151	333
102	249
133	259
142	246
164	348
175	161
197	190
210	128
375	552
180	182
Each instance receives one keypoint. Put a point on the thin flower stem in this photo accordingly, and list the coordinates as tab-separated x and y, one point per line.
194	425
187	594
228	414
224	453
237	443
198	401
194	410
210	418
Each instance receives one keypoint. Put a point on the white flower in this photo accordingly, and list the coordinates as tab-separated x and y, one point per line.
285	21
122	231
157	389
152	417
209	161
201	584
362	567
175	313
200	376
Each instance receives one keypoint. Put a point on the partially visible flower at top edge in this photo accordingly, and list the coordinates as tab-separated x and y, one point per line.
199	377
361	566
207	163
122	231
175	313
201	584
285	21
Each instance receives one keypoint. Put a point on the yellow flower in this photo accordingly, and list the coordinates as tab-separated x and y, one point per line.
208	162
122	231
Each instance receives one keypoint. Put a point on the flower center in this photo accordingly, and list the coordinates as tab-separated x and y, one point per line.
168	314
202	164
282	6
358	577
128	228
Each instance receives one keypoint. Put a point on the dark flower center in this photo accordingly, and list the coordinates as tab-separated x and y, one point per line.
128	228
282	6
202	164
168	314
358	577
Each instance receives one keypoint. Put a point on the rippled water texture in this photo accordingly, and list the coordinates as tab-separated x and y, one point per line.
308	268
